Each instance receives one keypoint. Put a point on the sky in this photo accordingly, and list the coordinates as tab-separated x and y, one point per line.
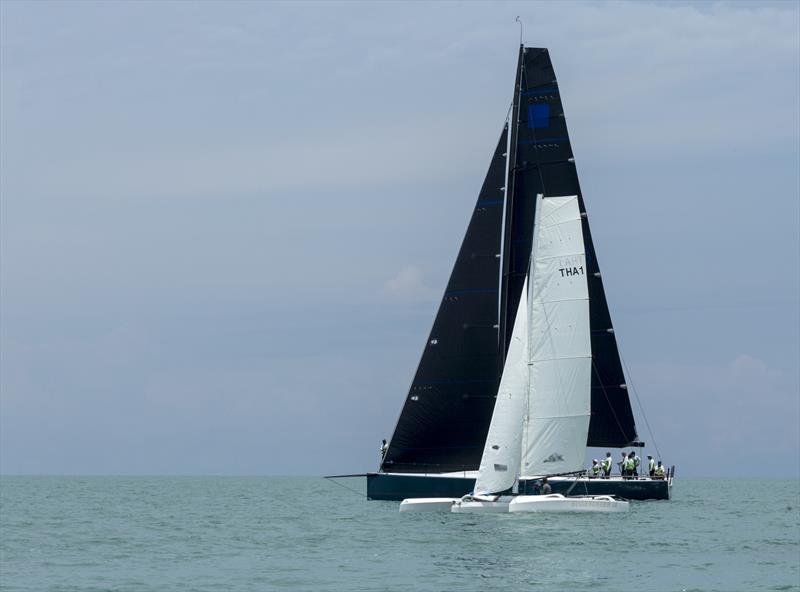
225	228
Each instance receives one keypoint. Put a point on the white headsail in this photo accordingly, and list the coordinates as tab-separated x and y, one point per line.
500	463
559	347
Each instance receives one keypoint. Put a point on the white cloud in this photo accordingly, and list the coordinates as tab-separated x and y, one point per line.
408	285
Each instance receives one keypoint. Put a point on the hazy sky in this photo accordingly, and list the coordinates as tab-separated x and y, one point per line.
225	228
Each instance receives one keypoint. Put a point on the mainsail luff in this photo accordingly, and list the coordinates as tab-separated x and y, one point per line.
445	417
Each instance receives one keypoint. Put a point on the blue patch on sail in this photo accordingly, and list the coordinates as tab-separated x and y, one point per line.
538	116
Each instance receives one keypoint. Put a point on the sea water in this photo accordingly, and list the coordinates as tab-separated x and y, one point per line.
306	533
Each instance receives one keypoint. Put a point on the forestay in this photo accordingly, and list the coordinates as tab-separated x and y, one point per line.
559	344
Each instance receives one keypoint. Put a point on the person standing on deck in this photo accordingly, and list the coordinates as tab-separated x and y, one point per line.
623	465
651	465
384	448
659	473
607	465
629	465
595	470
636	461
546	489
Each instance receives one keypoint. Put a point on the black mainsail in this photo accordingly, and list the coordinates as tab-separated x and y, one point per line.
446	414
447	410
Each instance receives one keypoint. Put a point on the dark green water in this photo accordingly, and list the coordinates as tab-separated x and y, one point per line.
304	533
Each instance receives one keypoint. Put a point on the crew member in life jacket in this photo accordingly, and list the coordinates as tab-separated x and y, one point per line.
651	465
623	465
607	465
595	470
636	461
629	465
659	471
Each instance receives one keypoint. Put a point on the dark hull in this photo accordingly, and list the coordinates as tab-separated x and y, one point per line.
396	487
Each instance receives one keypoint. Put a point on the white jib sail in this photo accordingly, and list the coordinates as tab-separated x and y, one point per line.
556	421
500	462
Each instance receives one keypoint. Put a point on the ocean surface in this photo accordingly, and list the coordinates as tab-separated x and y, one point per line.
306	533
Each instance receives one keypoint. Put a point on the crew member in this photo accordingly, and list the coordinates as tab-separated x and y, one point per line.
651	465
595	468
636	461
546	489
607	465
623	465
659	471
384	448
629	465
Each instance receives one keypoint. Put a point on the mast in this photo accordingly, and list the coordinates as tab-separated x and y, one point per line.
506	320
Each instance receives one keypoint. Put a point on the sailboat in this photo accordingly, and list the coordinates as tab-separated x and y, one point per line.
439	441
543	402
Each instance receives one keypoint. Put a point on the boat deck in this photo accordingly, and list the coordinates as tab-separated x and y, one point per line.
400	486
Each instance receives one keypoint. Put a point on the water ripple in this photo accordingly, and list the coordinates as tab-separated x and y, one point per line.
253	534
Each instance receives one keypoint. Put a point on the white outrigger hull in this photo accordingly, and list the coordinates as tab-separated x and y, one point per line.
482	506
555	502
427	504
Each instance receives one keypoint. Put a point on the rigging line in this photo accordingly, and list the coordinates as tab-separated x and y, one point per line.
526	419
358	493
641	407
519	20
605	394
574	483
502	250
